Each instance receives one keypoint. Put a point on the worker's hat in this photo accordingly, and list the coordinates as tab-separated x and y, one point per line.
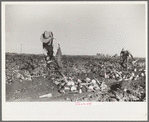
46	36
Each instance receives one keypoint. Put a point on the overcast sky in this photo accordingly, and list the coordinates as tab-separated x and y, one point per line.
80	28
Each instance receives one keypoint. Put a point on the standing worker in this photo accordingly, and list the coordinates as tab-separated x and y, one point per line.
51	49
124	55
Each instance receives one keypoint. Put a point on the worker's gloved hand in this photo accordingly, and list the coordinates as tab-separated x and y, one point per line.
47	58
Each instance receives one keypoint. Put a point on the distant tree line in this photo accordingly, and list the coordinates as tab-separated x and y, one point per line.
106	55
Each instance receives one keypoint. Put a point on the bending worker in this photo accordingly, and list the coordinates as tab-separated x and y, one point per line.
124	55
51	49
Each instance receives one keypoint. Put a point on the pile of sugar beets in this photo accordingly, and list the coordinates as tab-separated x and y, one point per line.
114	86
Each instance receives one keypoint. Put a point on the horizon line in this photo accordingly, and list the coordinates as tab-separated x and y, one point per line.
65	54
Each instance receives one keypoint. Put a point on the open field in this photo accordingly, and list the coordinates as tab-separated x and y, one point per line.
93	79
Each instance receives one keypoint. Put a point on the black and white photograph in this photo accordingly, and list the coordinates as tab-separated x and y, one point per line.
80	53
